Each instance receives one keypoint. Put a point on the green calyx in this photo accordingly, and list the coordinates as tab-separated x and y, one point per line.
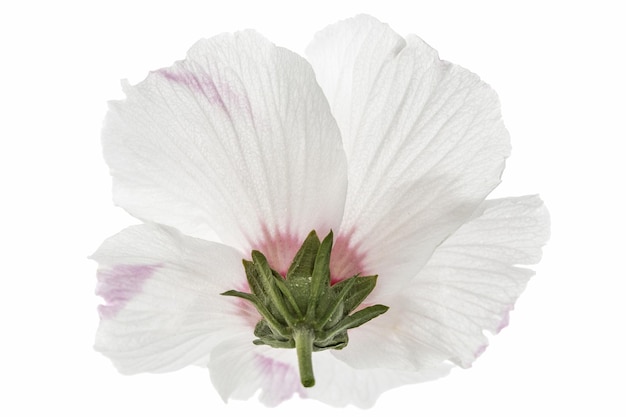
302	310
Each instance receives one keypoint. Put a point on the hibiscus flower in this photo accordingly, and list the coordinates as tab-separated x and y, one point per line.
240	151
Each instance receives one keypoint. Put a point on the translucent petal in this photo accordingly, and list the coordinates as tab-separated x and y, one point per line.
235	141
424	139
339	384
161	291
239	369
469	285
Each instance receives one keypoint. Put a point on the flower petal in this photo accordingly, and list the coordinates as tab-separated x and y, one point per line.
235	141
424	139
163	306
339	384
469	285
239	369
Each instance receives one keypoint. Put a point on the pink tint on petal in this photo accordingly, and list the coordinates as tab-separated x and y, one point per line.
204	85
480	351
219	94
504	322
279	248
283	380
247	312
346	260
119	284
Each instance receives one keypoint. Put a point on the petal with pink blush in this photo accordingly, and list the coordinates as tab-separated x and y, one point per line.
164	309
228	146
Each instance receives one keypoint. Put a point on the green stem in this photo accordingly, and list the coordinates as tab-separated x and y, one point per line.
304	338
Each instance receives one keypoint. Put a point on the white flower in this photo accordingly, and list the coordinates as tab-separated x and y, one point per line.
237	148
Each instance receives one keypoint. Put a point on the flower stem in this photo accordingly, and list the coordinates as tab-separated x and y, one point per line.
303	338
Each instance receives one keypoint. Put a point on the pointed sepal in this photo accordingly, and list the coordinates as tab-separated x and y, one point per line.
302	310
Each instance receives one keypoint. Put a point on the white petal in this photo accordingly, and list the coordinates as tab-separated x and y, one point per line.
424	139
163	309
237	140
469	285
239	369
339	384
346	57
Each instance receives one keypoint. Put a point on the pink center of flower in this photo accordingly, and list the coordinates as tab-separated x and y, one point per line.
346	259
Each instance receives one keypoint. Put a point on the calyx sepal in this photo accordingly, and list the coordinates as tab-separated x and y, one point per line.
302	310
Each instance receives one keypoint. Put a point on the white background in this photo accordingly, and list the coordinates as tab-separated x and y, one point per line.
559	69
